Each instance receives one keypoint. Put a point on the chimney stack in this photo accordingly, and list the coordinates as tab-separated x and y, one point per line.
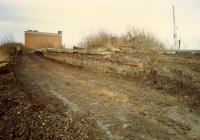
59	32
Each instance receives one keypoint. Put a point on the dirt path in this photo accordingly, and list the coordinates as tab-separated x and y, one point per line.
123	109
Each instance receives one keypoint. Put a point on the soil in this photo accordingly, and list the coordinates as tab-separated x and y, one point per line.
28	112
42	99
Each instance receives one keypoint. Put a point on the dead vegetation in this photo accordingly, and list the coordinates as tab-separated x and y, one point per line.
8	50
132	40
140	57
176	74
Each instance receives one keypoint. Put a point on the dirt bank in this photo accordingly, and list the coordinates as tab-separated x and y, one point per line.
176	75
105	106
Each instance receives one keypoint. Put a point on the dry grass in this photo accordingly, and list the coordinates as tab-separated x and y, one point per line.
3	56
141	40
100	42
9	50
133	39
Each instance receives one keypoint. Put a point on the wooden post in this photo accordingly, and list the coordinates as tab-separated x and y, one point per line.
109	42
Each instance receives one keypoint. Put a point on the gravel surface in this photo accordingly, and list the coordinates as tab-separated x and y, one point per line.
41	99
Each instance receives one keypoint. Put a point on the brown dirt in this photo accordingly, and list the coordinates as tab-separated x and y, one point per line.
177	75
105	106
28	112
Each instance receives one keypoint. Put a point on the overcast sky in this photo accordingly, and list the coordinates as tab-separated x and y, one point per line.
78	18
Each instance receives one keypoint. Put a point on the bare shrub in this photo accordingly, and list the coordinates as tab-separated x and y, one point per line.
11	49
133	39
100	39
141	40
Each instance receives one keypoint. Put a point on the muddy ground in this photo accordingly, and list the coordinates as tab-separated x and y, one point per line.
43	99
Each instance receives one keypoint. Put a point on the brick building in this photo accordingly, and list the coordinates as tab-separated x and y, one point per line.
36	40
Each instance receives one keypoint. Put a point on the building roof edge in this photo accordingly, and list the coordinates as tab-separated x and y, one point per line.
42	33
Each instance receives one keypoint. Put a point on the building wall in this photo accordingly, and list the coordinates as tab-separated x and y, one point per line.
36	40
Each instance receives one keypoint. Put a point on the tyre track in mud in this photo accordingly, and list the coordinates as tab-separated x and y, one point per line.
121	108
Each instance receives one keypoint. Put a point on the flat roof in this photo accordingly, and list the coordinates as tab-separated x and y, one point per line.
41	33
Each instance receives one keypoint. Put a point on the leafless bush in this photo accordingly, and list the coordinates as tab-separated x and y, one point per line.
141	40
132	39
100	39
9	47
